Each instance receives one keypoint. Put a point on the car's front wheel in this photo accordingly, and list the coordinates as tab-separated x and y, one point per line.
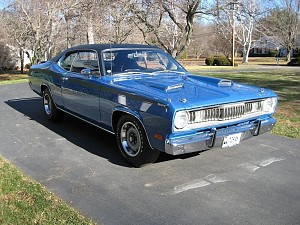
52	112
133	143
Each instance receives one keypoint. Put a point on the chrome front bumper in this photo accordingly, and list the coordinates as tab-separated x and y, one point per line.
214	138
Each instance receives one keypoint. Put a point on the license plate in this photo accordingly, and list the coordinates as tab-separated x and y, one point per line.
231	140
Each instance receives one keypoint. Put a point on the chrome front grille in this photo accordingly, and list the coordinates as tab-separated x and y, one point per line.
225	112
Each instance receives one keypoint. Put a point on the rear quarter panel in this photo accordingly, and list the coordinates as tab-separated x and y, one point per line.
50	75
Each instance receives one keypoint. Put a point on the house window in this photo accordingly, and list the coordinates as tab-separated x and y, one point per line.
263	51
255	50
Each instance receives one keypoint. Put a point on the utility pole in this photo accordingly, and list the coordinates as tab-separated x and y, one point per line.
234	2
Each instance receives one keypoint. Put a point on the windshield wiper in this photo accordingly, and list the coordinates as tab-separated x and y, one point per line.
169	71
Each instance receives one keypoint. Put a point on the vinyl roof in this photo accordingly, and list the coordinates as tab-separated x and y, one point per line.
100	47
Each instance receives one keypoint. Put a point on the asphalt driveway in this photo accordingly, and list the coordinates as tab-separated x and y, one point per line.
257	182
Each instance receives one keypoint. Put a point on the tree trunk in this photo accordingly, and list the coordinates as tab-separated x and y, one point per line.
246	53
22	60
90	31
245	57
68	33
175	53
288	55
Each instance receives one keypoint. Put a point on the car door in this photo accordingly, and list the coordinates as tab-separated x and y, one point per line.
80	87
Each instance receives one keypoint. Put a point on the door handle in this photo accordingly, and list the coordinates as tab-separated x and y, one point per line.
65	78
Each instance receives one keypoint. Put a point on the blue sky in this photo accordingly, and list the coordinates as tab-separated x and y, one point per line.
4	3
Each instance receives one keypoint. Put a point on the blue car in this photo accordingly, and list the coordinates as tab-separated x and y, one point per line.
149	101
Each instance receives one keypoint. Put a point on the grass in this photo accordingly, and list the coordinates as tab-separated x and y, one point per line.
13	77
24	201
239	61
285	83
262	61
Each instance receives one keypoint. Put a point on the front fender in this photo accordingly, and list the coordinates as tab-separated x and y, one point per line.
154	124
118	111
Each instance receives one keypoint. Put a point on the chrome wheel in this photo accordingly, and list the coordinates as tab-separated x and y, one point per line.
130	139
47	104
52	113
132	142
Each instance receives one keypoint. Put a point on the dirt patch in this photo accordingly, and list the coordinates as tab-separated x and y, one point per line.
290	109
16	76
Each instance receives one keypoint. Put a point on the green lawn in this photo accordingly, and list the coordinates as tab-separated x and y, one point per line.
24	201
285	83
12	77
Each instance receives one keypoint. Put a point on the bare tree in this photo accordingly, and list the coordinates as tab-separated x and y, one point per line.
88	10
220	44
202	41
69	10
51	25
18	34
167	23
121	22
37	22
239	17
283	23
6	59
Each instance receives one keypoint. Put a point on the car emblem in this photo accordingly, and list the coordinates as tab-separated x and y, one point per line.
183	100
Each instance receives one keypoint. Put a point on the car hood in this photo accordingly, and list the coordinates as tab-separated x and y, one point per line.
188	91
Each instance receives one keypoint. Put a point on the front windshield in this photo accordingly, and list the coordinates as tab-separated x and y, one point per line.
117	61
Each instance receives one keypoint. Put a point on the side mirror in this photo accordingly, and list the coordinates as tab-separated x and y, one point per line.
86	71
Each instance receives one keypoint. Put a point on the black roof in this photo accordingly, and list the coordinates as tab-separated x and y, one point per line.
100	47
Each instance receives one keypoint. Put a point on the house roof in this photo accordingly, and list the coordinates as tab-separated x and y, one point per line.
265	42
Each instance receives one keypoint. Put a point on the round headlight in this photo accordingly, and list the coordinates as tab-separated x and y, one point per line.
270	105
181	119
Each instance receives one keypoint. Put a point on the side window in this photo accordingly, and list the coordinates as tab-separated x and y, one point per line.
109	62
67	62
86	60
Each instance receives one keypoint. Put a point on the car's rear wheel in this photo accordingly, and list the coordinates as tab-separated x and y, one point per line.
133	143
52	112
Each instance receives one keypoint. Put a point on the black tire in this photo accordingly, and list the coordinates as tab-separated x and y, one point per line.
133	142
52	113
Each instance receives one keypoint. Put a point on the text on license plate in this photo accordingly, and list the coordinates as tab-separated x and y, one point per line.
231	140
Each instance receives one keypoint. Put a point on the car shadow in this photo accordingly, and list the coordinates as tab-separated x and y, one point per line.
163	157
80	133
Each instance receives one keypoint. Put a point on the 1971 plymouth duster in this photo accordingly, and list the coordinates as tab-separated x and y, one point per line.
149	101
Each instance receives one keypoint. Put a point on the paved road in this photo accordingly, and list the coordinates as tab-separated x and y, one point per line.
257	182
